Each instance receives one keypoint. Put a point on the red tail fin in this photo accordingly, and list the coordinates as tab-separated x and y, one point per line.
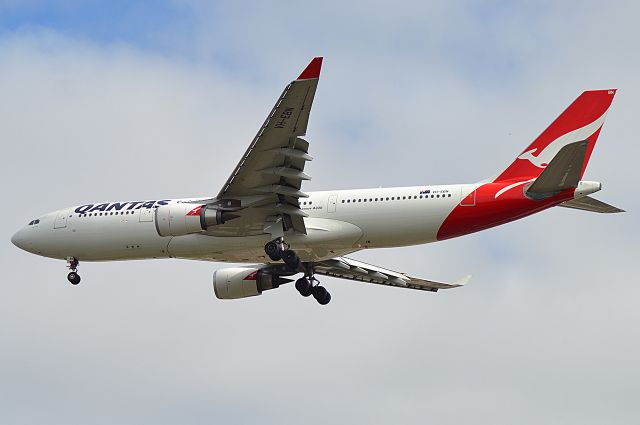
582	120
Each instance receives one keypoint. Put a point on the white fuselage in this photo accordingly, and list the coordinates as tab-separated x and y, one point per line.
338	222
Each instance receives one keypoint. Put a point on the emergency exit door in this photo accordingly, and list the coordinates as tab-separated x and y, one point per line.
146	214
331	204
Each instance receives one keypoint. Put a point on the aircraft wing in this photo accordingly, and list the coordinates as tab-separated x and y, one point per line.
346	268
267	181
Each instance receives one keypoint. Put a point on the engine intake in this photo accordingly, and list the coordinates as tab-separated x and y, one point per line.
183	219
241	282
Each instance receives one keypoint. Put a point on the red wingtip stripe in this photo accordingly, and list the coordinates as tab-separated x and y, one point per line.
312	70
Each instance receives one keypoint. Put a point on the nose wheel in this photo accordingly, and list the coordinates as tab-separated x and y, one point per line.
73	276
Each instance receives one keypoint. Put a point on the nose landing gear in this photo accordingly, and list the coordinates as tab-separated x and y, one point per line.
73	276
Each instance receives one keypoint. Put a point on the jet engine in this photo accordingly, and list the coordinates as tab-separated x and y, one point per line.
182	219
242	282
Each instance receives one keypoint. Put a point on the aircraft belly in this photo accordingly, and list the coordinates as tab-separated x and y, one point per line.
114	239
401	225
325	239
200	246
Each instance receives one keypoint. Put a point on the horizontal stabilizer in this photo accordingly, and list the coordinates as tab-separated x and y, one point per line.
588	203
563	171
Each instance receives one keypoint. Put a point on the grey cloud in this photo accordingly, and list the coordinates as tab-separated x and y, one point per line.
545	332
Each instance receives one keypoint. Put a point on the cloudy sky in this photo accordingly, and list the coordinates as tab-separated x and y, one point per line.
132	99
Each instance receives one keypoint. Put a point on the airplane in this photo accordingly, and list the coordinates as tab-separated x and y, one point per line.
262	216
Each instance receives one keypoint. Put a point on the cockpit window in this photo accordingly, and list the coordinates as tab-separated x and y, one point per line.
32	222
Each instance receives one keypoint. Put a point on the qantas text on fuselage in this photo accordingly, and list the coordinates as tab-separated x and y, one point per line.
119	206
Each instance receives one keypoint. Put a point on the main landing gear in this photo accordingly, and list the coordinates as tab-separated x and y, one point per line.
277	250
73	276
308	285
305	285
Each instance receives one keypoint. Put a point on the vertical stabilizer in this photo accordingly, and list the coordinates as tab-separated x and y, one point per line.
581	121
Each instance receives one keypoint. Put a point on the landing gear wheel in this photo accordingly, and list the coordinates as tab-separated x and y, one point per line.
326	299
291	259
321	295
304	286
74	278
273	251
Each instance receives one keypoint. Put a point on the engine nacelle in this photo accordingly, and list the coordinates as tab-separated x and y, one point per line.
182	218
242	282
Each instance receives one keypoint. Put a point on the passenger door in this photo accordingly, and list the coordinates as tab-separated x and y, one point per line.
470	199
61	220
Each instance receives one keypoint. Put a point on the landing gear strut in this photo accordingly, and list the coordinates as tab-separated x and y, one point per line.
73	276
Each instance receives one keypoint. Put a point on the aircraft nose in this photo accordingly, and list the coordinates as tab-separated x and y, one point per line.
20	239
